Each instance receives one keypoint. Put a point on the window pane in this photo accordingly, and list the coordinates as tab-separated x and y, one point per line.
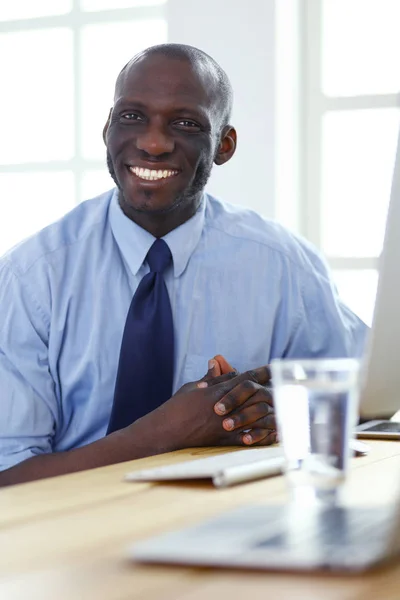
37	113
30	201
25	9
357	288
358	152
110	4
95	182
101	63
361	47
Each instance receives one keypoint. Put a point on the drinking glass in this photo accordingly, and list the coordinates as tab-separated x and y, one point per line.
316	404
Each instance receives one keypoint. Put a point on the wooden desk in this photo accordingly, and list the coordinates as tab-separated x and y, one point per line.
66	538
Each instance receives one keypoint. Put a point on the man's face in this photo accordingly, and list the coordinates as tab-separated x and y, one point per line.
162	135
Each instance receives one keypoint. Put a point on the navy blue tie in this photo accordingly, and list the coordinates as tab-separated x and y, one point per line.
146	361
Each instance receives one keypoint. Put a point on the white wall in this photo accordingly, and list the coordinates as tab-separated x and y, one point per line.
240	35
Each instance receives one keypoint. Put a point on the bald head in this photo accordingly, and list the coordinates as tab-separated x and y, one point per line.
168	126
214	77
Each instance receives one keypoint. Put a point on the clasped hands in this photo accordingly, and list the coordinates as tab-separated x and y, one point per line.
248	406
224	408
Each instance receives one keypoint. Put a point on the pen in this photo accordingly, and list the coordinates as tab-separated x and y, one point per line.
249	472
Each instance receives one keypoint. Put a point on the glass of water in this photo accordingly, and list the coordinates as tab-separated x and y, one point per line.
316	405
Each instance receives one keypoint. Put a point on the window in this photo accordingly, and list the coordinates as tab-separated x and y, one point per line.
351	111
63	57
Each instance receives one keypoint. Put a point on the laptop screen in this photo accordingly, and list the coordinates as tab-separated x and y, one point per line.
380	391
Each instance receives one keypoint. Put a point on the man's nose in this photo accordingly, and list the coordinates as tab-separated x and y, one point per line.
155	141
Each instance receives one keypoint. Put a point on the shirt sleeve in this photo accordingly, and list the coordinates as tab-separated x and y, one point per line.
325	326
28	407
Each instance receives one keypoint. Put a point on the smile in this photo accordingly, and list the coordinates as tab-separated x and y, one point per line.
152	174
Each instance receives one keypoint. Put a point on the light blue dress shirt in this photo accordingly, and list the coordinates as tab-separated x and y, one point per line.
239	285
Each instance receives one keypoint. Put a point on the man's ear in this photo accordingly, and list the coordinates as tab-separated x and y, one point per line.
106	126
227	145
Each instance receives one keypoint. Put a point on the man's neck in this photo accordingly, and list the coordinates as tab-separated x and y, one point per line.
161	223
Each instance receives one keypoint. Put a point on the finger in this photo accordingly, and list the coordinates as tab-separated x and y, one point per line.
240	394
261	375
208	381
259	437
224	366
214	370
260	413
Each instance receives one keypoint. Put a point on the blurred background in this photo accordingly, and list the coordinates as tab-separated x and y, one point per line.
316	87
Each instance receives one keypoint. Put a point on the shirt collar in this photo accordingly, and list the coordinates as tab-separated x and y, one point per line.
134	242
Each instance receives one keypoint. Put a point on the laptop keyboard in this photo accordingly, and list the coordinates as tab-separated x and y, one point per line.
387	426
329	527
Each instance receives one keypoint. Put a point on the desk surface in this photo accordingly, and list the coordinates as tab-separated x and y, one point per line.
67	537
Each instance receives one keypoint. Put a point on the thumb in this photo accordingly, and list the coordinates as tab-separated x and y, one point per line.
224	365
215	374
214	370
212	377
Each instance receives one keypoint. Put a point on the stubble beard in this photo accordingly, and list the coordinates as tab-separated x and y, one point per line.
191	195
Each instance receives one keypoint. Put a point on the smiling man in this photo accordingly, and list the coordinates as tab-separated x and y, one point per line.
110	315
168	125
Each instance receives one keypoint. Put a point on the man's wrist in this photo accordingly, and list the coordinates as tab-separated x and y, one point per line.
148	435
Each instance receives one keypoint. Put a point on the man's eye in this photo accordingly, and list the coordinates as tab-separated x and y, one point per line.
186	124
131	117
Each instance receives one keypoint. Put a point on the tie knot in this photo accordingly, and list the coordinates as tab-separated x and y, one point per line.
159	256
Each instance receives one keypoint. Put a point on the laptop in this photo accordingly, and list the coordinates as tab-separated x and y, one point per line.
283	538
381	373
290	537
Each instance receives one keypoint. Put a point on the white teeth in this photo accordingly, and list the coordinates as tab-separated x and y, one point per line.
152	174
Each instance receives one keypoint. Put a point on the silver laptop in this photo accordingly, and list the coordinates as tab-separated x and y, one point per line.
283	538
288	537
380	395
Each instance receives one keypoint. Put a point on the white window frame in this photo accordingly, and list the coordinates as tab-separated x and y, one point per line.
315	105
75	20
